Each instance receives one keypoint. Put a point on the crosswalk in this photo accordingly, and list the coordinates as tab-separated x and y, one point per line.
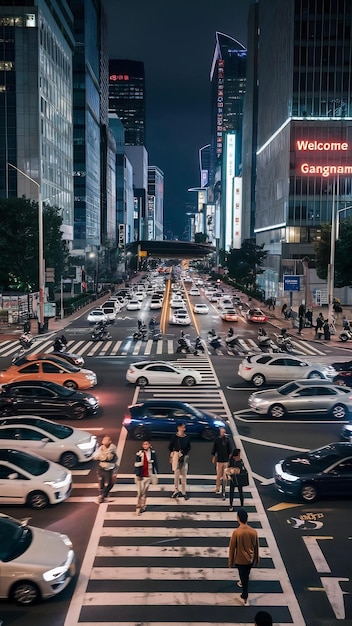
172	561
129	347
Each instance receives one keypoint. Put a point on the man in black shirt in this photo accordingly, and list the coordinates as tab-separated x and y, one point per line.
179	447
221	451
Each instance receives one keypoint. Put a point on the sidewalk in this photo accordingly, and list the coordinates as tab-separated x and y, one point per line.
56	325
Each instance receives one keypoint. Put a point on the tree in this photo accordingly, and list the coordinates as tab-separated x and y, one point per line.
19	243
244	264
343	257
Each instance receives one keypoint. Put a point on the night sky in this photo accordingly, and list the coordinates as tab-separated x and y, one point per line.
175	40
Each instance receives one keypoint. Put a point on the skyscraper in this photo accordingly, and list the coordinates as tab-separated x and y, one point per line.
127	98
304	139
36	104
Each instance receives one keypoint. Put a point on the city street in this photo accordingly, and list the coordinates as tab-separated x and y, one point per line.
133	569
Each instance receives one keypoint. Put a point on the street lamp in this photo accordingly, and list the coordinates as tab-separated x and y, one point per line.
41	281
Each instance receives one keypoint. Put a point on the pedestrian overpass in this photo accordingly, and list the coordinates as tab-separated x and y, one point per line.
170	249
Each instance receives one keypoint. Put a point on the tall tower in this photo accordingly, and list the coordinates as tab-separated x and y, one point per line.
127	98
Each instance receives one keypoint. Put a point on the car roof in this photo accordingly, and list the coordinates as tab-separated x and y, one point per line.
170	403
316	382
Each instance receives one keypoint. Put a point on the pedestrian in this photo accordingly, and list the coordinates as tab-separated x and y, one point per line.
326	330
221	451
243	552
139	323
300	324
107	468
263	618
309	318
235	467
284	310
319	326
27	326
179	448
146	471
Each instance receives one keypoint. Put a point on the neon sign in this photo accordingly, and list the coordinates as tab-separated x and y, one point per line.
328	146
326	170
319	148
115	77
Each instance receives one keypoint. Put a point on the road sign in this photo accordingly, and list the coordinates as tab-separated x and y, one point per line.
292	283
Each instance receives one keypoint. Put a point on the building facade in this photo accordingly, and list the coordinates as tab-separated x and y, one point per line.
127	98
36	104
304	142
155	203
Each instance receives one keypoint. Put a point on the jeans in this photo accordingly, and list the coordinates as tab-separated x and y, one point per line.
105	481
244	571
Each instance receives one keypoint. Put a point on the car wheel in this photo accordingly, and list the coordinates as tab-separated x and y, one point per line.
78	412
189	381
277	411
258	380
142	381
339	411
208	434
315	375
70	384
25	593
139	432
37	500
309	492
343	337
69	459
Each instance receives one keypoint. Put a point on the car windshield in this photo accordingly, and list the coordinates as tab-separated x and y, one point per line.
63	363
31	464
15	539
288	388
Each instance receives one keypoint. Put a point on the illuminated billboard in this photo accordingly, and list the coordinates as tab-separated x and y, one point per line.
322	151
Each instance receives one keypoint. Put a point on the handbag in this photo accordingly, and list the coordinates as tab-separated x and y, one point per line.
242	478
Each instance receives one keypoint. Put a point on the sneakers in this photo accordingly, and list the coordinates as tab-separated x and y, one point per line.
239	584
185	496
180	494
231	508
244	601
143	509
138	511
217	490
100	499
175	494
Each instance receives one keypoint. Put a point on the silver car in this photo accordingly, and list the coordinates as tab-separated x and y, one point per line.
303	396
262	368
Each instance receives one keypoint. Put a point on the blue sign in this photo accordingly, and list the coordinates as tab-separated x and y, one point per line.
292	283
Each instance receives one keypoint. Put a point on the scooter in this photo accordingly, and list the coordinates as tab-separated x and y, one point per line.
184	345
155	334
214	342
199	346
265	342
100	333
141	334
26	340
60	344
345	335
284	342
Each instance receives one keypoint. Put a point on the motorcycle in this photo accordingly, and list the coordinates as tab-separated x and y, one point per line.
284	341
26	340
199	346
214	341
141	334
184	345
345	335
266	344
60	344
100	332
155	334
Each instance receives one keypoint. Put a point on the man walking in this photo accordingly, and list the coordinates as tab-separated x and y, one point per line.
221	451
107	457
146	466
243	552
179	448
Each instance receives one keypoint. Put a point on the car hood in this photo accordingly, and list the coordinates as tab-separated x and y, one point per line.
267	394
300	465
47	549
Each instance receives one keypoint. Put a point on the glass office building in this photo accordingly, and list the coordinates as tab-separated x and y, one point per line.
304	127
127	98
36	103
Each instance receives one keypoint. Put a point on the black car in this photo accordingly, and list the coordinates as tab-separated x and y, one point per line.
160	417
326	471
47	399
344	375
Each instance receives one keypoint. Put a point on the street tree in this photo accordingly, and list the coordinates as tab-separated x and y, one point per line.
343	258
19	243
245	263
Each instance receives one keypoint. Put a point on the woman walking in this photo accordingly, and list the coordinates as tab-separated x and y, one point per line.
179	447
236	466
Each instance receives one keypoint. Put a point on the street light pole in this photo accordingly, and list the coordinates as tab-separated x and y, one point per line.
41	280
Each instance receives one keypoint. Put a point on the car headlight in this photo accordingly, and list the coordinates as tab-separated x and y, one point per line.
88	444
91	401
56	572
288	477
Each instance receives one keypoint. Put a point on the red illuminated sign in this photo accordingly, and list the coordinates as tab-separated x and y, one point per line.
115	77
328	146
317	149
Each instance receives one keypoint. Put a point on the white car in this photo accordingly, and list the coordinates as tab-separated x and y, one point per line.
140	295
35	563
156	304
56	442
161	373
134	305
201	309
262	368
177	303
97	315
181	318
194	292
110	313
30	479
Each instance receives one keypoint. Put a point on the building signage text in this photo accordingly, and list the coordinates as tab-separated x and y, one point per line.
318	148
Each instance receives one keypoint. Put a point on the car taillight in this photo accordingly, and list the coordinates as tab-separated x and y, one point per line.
247	368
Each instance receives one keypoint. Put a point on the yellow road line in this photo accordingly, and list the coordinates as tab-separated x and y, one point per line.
191	309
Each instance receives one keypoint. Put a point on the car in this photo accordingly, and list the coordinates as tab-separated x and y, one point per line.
96	316
177	303
303	396
156	304
110	312
194	292
319	473
46	398
36	563
244	307
134	305
140	295
74	359
181	318
199	282
56	442
256	315
51	368
229	315
161	373
261	368
161	417
30	479
201	309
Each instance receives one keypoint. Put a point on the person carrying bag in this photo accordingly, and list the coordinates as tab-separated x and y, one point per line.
238	475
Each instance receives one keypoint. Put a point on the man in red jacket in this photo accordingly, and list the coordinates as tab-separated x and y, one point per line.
244	551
